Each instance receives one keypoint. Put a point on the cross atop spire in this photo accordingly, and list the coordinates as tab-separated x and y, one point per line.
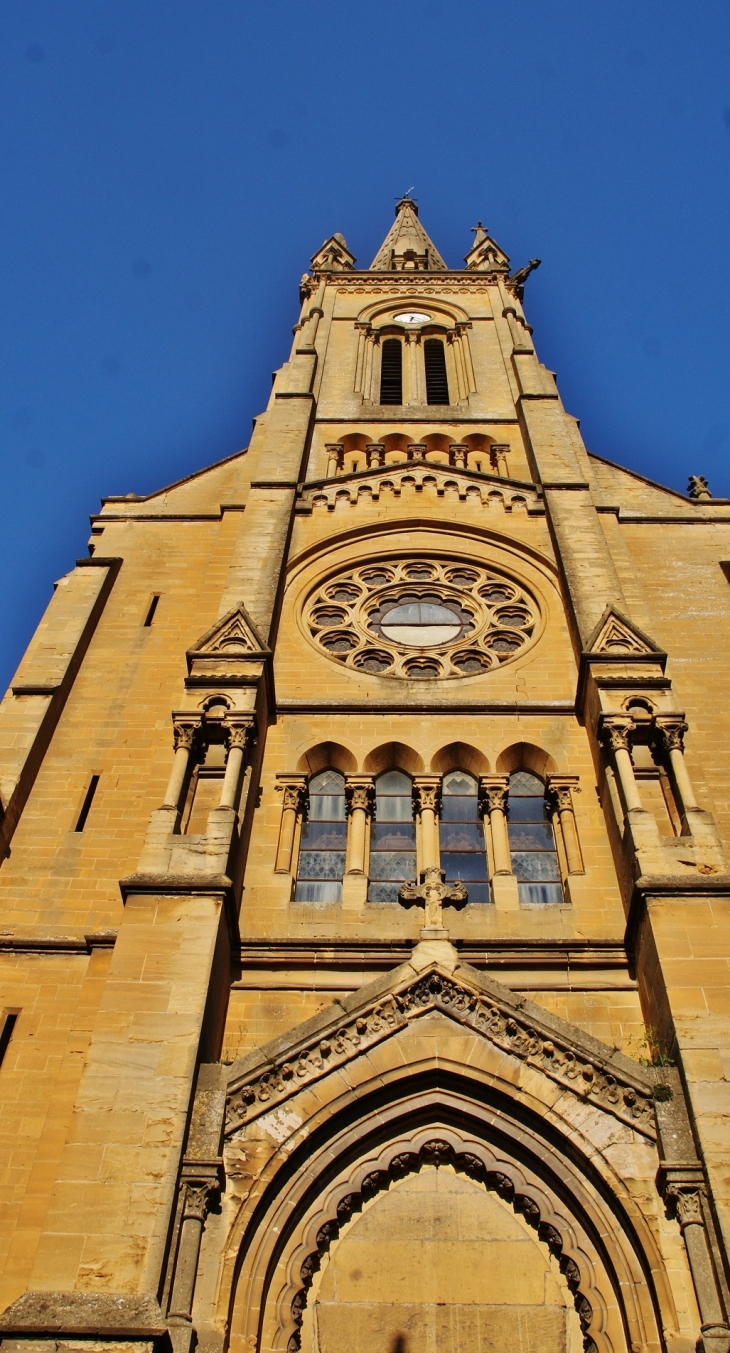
407	247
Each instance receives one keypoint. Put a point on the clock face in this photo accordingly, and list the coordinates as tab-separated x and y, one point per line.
411	317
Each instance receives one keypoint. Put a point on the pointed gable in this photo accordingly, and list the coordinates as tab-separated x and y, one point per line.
407	247
334	256
616	636
230	651
485	254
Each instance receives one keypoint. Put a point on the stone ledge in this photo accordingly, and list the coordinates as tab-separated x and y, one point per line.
97	1314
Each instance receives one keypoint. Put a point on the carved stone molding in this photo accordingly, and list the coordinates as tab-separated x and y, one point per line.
608	1087
468	1157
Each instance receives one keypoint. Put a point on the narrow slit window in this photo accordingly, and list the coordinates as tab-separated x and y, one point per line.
463	853
391	372
6	1032
324	841
151	610
86	805
532	841
437	385
393	837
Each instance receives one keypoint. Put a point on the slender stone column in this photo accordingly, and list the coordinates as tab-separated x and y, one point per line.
294	790
454	338
687	1203
367	377
239	728
560	789
459	455
359	802
375	454
498	459
493	800
199	1193
671	729
427	802
335	458
615	732
186	728
413	346
309	329
493	795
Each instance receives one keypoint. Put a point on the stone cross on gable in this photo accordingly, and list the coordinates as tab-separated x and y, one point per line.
433	895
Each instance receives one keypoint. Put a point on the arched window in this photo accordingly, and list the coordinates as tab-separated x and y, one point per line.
462	836
324	841
532	840
393	837
437	385
391	372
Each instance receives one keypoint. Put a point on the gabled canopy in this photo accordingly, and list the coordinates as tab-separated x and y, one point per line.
485	254
407	247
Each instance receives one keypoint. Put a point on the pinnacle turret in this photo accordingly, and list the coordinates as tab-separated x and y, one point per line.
407	247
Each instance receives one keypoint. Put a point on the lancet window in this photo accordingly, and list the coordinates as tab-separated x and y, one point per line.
532	840
437	385
391	372
463	855
323	841
392	837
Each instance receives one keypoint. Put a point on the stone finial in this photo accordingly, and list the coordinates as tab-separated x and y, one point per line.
697	487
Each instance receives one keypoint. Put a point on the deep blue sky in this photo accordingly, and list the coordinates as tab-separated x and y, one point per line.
168	167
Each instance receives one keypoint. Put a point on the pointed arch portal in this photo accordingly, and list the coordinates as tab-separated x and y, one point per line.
431	1189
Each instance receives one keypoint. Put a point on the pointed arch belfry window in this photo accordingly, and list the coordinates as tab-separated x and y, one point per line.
391	372
532	840
324	841
437	384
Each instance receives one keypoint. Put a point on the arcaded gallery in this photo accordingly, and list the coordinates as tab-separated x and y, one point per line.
364	891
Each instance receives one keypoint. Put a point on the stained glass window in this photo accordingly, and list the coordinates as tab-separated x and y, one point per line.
532	840
462	836
324	841
392	838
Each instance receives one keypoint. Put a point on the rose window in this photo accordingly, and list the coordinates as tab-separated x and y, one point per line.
421	619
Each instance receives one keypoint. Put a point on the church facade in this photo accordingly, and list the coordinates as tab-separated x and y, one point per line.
364	883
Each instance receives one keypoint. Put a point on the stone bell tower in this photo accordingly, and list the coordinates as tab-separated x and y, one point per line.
364	928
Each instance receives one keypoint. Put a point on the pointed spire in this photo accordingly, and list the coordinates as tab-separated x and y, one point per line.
407	247
485	254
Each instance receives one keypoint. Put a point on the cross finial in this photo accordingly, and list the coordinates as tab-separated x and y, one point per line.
433	895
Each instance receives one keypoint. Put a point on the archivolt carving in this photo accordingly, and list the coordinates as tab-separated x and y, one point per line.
472	1158
605	1085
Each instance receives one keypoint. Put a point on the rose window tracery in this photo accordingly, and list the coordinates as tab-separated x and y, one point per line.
422	619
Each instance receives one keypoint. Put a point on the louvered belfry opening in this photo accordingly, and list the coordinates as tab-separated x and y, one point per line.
437	385
391	372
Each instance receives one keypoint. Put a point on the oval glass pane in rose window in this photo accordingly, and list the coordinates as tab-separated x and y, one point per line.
420	624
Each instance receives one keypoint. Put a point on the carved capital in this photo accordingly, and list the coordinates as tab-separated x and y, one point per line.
427	793
615	732
670	730
359	793
560	791
336	452
686	1204
458	455
417	451
413	336
294	790
493	793
185	730
239	730
198	1198
375	454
